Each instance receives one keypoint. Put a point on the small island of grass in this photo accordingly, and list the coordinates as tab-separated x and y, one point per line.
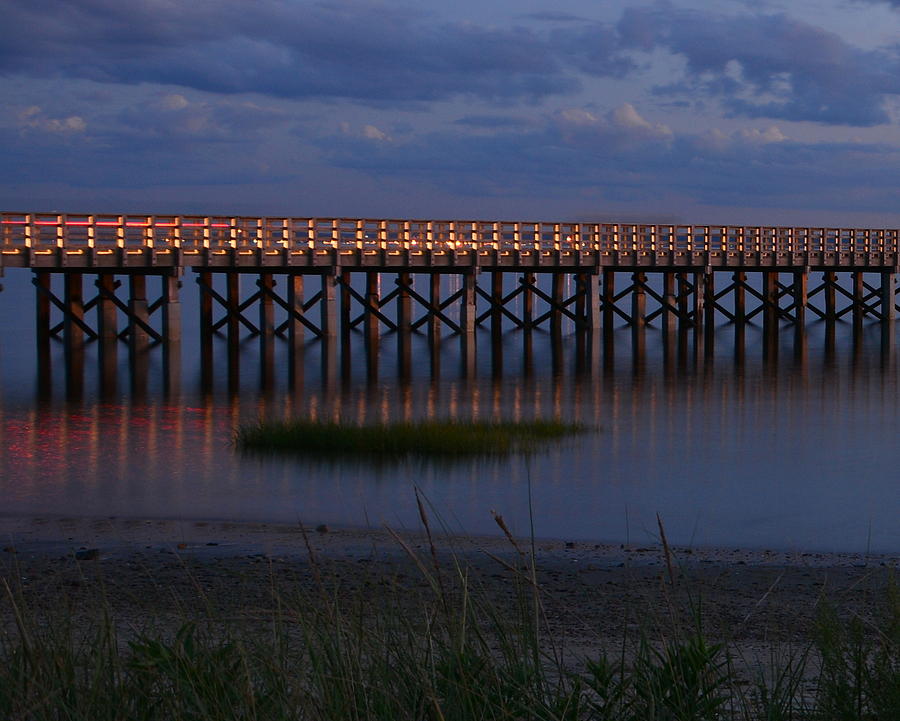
427	438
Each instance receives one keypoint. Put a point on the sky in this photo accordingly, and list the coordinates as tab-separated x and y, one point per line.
727	112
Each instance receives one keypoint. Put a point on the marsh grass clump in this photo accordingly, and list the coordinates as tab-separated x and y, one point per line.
443	439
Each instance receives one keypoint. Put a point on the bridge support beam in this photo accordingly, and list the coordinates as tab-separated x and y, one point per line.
593	301
73	298
171	308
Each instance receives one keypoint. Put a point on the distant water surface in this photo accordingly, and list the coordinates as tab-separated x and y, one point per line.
799	452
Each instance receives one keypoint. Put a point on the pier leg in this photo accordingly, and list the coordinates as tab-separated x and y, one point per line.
888	314
830	278
233	297
370	320
740	317
801	278
699	302
859	291
370	325
328	306
709	311
467	315
171	309
328	326
42	310
204	280
266	331
137	309
404	304
74	301
496	301
108	332
434	323
581	292
171	328
404	323
669	318
266	306
770	314
468	308
346	298
556	292
740	306
528	301
107	313
496	323
295	330
638	315
608	294
593	300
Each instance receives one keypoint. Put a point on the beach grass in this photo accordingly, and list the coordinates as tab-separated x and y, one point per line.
459	656
442	439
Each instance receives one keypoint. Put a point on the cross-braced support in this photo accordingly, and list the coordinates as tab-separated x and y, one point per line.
137	312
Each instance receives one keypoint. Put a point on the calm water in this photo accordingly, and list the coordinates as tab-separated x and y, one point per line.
801	453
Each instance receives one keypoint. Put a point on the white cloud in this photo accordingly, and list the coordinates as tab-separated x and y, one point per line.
33	118
771	134
372	133
174	101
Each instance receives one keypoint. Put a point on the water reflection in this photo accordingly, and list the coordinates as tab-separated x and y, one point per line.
734	439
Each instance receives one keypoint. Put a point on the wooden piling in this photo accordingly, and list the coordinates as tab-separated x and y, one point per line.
266	306
557	280
73	299
434	298
468	308
43	288
171	308
859	292
528	300
107	313
496	303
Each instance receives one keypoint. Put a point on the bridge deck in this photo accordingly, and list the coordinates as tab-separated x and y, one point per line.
55	241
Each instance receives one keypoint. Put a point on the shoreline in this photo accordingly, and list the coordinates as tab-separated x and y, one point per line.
40	534
161	574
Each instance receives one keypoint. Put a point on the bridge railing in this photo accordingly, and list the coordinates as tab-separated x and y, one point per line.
44	232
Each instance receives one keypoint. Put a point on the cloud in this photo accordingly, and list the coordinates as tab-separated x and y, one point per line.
177	119
623	158
367	132
620	127
489	122
768	65
33	118
357	49
757	65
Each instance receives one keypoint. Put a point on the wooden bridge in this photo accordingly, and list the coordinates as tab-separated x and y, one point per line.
326	277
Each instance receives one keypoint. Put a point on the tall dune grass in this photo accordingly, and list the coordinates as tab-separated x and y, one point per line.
458	657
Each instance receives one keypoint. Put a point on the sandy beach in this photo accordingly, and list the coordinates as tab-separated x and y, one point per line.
165	570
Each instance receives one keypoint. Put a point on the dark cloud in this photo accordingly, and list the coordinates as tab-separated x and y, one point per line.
768	65
353	49
490	121
550	16
756	65
622	158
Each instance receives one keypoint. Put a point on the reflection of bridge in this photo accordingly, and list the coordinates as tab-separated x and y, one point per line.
541	275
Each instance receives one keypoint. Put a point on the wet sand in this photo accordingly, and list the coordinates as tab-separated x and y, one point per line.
162	571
